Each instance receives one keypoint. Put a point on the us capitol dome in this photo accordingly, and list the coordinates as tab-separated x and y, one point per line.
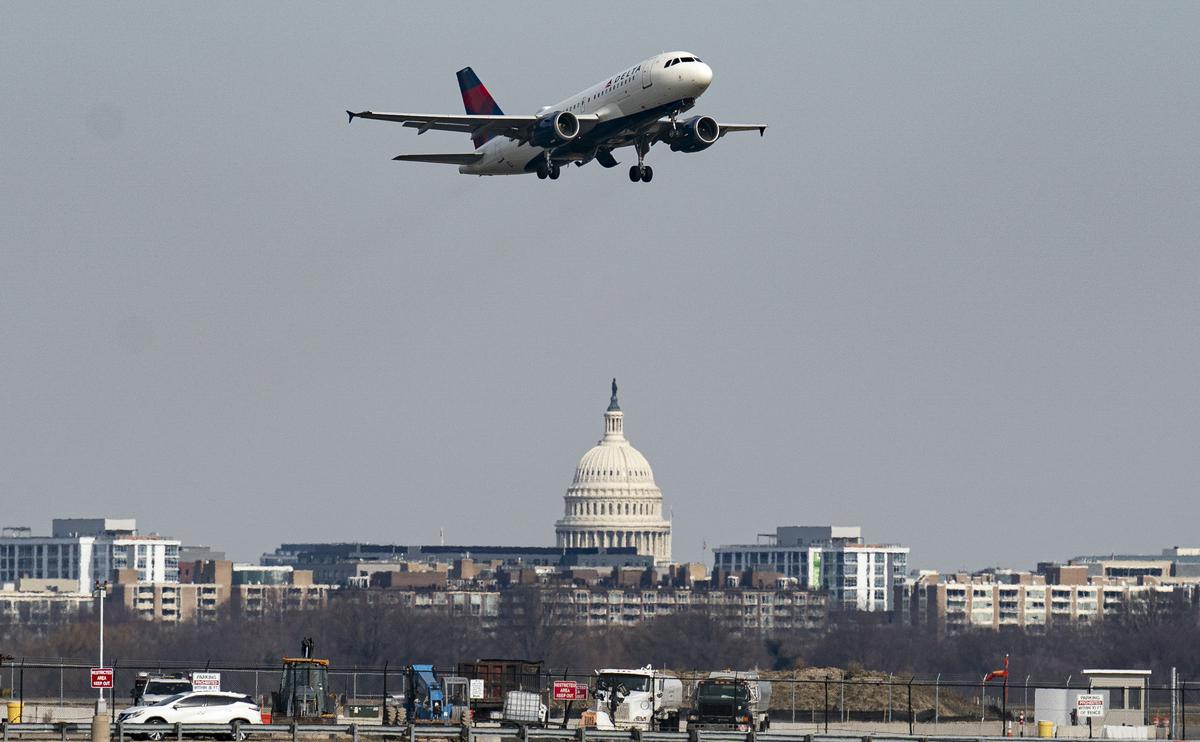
613	501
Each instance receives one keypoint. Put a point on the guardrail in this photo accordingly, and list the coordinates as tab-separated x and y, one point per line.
411	733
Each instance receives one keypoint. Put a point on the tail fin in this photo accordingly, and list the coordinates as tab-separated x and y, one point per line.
477	100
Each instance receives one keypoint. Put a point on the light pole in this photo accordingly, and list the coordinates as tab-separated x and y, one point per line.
101	591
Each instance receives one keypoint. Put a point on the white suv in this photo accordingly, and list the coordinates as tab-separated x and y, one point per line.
199	707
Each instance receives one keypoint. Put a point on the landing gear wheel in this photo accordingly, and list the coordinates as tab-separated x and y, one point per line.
647	174
543	172
554	171
635	173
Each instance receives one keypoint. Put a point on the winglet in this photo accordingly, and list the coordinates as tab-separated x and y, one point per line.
351	115
762	130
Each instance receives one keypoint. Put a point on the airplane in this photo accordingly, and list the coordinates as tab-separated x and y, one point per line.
637	108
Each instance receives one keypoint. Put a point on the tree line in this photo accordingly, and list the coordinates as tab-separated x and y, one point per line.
353	633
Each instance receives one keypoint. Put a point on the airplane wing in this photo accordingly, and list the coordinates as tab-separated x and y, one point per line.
513	127
727	128
465	158
659	128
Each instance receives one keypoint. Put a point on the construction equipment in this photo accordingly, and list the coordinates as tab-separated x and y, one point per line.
428	698
731	701
303	694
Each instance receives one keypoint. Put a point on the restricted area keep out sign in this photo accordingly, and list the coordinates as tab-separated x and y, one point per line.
102	677
1089	705
569	690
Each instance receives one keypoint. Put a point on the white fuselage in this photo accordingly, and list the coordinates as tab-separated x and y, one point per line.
642	88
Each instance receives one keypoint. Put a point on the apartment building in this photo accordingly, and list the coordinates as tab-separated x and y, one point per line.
734	608
86	551
832	559
979	602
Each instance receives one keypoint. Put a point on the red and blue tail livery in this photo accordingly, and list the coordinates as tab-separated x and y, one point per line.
477	100
635	108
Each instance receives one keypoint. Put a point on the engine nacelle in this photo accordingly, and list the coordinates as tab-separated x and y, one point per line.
695	134
555	129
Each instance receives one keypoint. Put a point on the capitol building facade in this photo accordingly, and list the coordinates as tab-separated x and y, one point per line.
613	500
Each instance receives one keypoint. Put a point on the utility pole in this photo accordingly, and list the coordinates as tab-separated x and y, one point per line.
100	727
1174	721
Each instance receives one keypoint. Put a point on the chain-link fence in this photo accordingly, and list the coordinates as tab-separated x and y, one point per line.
811	699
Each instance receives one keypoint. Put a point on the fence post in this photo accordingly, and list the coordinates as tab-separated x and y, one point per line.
178	732
826	704
293	730
911	719
354	733
793	698
842	699
937	701
889	708
120	731
1182	708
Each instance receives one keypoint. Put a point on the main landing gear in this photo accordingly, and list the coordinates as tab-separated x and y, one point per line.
641	171
548	169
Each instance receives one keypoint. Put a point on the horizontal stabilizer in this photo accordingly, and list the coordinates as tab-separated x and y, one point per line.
465	158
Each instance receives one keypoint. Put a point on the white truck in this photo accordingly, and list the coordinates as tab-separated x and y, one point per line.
644	699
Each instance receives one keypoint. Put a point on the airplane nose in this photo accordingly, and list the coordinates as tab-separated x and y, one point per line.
702	76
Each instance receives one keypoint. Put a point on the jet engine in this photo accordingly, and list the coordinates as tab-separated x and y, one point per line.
555	129
695	134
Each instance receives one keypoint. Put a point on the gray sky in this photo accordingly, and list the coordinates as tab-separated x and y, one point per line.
952	295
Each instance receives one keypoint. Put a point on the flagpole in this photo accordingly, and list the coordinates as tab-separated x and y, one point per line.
1004	705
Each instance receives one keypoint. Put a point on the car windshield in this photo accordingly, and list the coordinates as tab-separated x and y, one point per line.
170	699
632	683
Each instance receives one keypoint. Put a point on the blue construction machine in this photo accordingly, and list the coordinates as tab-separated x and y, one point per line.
430	699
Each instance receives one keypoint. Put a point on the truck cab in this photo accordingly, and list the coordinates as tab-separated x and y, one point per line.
731	702
149	689
644	699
